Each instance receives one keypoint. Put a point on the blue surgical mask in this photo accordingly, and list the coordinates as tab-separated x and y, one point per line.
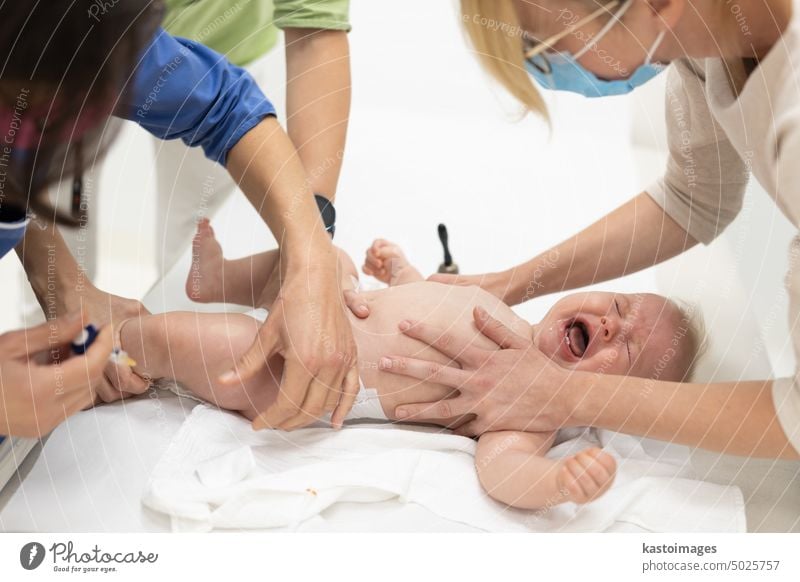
562	72
11	234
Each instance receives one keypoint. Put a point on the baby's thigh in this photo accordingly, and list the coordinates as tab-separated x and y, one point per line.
212	344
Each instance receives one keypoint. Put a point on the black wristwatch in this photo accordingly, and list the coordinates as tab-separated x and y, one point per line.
328	213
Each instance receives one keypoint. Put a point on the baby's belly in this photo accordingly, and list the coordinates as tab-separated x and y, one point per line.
444	307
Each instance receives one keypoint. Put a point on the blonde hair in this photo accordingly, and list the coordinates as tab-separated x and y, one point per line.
495	33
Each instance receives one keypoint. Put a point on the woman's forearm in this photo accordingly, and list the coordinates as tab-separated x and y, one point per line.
266	166
635	236
52	271
737	418
318	102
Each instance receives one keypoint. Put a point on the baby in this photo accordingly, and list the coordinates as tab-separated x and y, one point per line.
601	332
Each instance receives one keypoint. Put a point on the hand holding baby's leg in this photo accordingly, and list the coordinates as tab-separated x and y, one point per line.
194	349
386	262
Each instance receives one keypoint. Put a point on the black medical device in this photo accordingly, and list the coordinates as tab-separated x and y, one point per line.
448	267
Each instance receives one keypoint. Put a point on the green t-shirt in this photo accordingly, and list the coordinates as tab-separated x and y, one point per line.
244	30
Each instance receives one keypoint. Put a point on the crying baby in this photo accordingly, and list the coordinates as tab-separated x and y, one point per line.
607	333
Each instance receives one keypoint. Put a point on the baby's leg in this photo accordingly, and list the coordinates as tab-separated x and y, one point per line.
513	469
195	349
213	279
386	262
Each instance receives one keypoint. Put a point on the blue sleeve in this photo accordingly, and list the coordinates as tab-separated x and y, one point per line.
182	89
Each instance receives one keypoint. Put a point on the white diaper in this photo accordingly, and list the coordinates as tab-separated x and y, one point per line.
367	405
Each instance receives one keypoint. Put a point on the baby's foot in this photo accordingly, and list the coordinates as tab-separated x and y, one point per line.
587	475
204	283
385	261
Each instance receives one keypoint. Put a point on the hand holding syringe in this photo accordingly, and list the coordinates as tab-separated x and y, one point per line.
81	343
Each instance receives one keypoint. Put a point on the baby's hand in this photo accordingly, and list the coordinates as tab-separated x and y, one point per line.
384	260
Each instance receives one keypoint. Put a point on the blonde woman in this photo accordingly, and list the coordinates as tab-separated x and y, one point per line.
733	79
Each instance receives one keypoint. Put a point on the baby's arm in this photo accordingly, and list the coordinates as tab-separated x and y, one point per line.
512	469
386	262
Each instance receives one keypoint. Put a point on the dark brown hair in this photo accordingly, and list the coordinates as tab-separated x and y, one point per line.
70	59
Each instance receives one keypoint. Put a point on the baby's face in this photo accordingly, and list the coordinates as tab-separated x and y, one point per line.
610	333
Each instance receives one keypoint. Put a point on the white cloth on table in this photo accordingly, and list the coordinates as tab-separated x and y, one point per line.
220	474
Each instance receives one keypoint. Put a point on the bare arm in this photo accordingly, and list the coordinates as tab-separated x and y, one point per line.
513	470
61	287
318	102
737	418
635	236
519	388
307	320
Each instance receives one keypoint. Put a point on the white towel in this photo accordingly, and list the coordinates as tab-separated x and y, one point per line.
220	474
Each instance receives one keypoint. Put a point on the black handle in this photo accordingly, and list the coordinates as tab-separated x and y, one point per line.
448	259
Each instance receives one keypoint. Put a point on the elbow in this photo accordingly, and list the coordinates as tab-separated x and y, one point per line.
488	480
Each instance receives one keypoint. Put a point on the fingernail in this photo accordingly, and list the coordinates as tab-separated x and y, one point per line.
401	413
405	325
363	309
228	376
385	363
482	313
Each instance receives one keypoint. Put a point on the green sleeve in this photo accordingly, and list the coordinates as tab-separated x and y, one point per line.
324	14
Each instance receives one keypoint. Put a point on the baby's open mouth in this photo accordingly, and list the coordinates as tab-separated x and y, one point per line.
576	336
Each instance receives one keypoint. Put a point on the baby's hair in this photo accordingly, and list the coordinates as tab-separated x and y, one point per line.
694	342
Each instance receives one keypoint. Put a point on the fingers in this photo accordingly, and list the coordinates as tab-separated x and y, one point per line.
454	347
295	385
356	303
424	370
313	407
443	409
498	332
348	399
81	374
48	335
256	356
122	380
471	429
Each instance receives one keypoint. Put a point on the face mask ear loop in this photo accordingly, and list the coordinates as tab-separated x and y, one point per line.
603	31
655	46
544	45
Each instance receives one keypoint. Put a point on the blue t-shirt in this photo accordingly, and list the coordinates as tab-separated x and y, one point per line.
184	90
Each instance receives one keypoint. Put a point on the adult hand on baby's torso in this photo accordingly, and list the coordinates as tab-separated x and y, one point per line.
514	387
307	326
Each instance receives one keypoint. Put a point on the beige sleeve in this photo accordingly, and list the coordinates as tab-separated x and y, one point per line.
786	391
705	179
